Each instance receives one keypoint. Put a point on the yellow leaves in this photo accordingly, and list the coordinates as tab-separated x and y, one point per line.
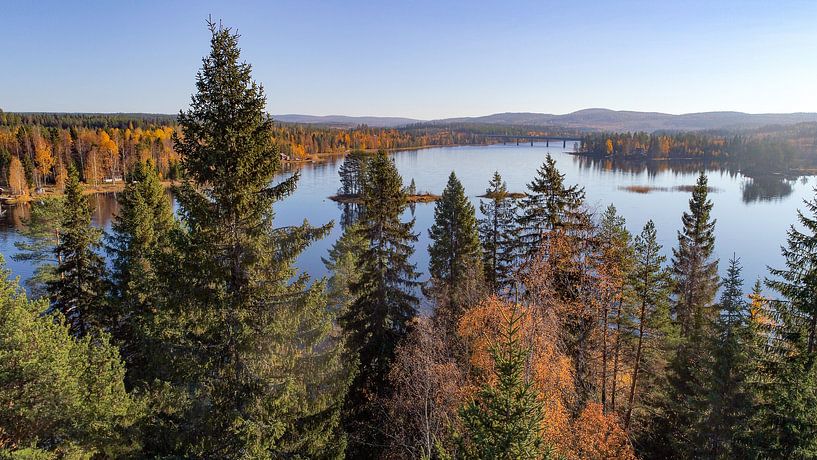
43	159
17	177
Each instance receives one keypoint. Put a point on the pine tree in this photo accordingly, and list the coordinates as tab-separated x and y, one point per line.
384	295
651	285
62	396
726	406
505	419
612	265
455	263
696	276
548	205
498	233
258	361
78	289
140	234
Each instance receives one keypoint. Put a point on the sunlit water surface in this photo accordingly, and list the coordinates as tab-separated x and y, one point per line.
752	214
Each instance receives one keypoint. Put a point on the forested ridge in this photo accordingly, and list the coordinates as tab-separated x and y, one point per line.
553	332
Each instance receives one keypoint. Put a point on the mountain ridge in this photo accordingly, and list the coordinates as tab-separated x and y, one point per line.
594	119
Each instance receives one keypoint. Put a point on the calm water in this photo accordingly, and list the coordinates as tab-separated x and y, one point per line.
752	214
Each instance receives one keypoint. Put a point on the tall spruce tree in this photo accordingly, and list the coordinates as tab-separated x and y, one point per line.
549	204
798	281
696	282
384	302
694	271
455	255
789	416
260	367
140	235
78	289
498	233
505	419
725	408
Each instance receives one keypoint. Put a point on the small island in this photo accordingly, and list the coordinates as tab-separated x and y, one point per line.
412	198
513	195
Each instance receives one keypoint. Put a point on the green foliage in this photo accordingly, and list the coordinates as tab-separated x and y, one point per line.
798	281
499	234
384	295
345	257
60	395
789	409
696	276
724	407
505	419
78	289
139	239
257	360
455	253
549	204
42	232
650	285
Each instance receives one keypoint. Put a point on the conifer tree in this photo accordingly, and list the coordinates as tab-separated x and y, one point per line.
342	263
140	234
549	204
505	419
696	282
651	286
384	296
498	233
798	281
726	406
789	416
78	289
62	396
695	274
612	265
352	175
455	254
258	362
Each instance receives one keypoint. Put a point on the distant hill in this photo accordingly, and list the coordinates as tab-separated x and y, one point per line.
614	120
344	121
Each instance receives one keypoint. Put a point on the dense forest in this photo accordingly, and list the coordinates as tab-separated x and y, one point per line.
553	333
755	151
36	149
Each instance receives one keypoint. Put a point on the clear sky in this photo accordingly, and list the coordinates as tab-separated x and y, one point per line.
422	59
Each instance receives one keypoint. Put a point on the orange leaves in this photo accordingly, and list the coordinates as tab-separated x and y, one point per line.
597	436
591	434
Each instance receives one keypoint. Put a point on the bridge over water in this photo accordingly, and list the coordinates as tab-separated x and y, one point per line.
505	138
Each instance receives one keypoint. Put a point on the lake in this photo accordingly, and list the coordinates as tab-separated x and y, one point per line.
752	214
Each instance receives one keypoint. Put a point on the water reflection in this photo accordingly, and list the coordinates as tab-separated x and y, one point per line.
766	188
755	187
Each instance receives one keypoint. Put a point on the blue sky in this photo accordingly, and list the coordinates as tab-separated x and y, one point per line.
422	59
